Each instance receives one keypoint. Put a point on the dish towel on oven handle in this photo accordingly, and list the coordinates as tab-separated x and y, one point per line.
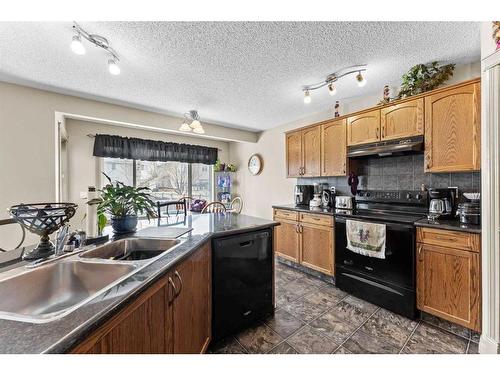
366	239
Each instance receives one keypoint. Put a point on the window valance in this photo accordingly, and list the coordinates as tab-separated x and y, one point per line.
113	146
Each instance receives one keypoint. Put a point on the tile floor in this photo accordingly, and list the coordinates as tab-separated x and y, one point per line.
313	316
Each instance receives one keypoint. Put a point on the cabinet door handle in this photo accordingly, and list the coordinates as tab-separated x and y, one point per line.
171	282
176	274
300	228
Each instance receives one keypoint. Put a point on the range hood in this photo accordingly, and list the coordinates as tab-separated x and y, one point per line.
386	148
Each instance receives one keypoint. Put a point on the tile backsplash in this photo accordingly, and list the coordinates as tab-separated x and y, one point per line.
400	173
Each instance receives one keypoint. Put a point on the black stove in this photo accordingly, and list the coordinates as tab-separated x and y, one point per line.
388	282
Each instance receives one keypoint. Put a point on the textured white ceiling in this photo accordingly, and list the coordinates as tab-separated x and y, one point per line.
241	74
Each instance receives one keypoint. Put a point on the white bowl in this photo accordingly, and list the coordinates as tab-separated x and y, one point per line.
473	196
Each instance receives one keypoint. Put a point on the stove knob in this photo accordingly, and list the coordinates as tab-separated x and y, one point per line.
409	196
360	193
418	196
368	194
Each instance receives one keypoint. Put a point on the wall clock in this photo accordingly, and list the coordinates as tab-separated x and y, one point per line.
255	164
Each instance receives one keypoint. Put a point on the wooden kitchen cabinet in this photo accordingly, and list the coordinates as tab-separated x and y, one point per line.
294	154
402	120
172	316
286	239
452	129
363	128
192	308
317	247
334	148
303	156
308	240
449	278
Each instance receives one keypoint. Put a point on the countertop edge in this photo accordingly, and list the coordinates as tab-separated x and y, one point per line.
303	209
447	226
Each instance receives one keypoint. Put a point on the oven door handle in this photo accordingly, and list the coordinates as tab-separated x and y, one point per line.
388	224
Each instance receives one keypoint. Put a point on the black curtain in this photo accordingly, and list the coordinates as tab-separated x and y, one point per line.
113	146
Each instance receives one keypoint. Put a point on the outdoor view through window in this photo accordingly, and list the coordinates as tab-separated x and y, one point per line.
167	180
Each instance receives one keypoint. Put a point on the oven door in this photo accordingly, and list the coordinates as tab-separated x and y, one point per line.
398	267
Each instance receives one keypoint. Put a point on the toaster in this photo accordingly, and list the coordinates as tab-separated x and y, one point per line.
343	201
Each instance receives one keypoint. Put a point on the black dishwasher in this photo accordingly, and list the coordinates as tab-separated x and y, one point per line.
242	281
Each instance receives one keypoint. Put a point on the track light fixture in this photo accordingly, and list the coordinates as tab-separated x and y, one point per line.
334	77
98	41
192	123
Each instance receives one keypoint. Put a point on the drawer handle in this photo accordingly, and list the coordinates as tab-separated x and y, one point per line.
445	238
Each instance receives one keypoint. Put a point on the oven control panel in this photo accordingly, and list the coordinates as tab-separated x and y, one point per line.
392	196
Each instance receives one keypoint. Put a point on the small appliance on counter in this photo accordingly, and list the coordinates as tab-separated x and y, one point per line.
303	194
328	197
442	203
343	201
470	212
316	201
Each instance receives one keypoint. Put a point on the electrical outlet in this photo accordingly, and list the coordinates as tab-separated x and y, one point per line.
83	195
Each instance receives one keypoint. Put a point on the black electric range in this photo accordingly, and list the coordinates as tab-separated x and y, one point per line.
388	282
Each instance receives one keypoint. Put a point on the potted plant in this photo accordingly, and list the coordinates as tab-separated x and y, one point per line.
123	203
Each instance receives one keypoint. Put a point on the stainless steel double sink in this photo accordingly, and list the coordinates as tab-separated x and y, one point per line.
54	289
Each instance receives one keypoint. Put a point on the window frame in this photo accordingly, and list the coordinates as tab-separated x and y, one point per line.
134	176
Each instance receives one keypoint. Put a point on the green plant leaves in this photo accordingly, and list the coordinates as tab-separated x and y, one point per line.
424	77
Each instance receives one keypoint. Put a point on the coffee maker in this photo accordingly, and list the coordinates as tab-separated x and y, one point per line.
328	197
303	194
442	203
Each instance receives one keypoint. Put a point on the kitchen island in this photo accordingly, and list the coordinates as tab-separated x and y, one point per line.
64	334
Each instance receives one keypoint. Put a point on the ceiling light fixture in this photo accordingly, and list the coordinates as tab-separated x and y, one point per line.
361	80
334	77
192	122
77	45
332	90
98	41
307	97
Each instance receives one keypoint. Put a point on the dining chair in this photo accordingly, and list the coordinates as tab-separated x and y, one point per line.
236	205
179	204
214	207
12	221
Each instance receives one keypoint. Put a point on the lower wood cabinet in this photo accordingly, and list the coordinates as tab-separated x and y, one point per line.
308	240
448	277
172	316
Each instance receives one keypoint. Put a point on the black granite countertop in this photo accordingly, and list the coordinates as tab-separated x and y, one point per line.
61	335
449	225
318	210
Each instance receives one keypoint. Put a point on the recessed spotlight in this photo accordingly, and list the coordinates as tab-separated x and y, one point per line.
307	97
77	45
113	67
360	79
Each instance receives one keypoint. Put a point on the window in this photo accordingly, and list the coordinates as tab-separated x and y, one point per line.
167	180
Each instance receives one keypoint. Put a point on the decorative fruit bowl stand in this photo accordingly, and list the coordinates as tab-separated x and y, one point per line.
42	219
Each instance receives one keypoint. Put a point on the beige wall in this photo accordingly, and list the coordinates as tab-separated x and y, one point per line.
84	169
260	192
27	140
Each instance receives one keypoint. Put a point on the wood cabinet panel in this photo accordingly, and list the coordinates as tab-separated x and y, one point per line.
311	154
334	148
317	247
286	240
452	130
363	128
294	159
316	219
446	238
192	307
448	284
140	328
285	214
402	120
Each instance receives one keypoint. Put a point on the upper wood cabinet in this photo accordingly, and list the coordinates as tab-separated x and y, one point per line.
334	148
303	157
402	120
294	154
452	129
363	128
311	151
